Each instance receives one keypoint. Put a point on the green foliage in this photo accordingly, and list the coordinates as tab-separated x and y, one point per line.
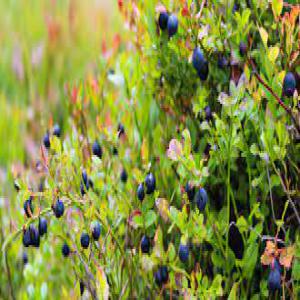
245	156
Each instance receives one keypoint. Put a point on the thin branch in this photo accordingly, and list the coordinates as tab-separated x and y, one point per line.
279	101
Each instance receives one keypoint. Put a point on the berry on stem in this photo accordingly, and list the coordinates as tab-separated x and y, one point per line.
42	226
172	25
84	240
150	183
163	20
183	252
65	250
141	192
201	199
145	244
58	208
289	84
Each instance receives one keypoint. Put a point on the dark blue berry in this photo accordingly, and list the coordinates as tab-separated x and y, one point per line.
289	84
56	130
172	25
46	140
124	176
208	113
201	199
42	226
58	208
25	258
158	278
274	280
150	183
145	244
183	252
26	238
34	236
140	192
277	266
97	150
85	178
84	240
164	274
96	231
243	48
28	207
222	62
81	284
200	63
65	250
190	190
163	20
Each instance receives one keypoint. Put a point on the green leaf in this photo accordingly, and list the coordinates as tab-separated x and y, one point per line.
277	7
101	284
242	224
249	260
150	218
264	36
187	142
273	53
233	293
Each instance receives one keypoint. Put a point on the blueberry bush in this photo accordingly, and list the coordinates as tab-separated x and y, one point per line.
175	171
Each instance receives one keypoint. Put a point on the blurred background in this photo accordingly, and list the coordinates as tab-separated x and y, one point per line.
45	47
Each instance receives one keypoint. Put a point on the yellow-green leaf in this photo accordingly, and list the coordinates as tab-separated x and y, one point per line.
101	284
273	53
264	36
277	7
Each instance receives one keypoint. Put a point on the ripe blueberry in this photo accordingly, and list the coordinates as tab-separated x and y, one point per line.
58	208
81	284
28	207
190	190
84	240
222	62
172	25
25	258
208	113
150	183
164	274
65	250
141	192
200	63
243	48
42	226
84	185
289	84
145	244
157	277
26	238
97	150
274	280
96	230
123	176
163	20
183	252
46	140
201	199
56	130
34	236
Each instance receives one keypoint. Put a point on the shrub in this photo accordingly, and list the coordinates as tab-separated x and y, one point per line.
221	200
